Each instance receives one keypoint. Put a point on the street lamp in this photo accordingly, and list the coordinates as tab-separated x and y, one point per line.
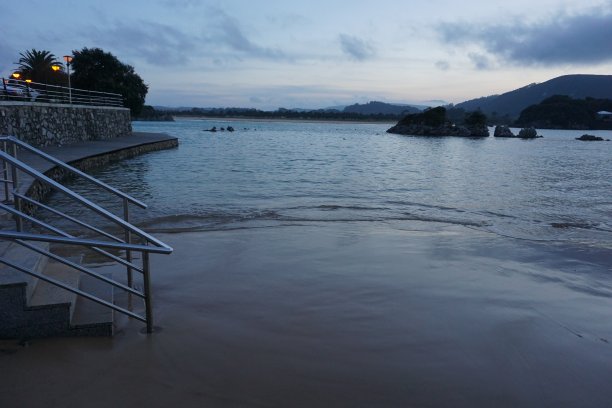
68	59
55	68
16	75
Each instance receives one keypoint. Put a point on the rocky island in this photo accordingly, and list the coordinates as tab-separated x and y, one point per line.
433	122
525	133
591	138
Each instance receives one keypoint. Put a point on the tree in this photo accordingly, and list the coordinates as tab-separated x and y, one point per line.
37	66
476	118
97	70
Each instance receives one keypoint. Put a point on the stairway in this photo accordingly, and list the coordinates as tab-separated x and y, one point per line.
45	293
33	308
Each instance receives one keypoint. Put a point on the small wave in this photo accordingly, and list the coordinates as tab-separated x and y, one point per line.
333	207
582	225
196	222
268	218
466	223
423	205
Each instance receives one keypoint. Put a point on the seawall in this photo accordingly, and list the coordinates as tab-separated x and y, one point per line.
88	155
45	124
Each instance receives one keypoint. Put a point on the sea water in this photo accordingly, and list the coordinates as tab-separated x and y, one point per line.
553	188
333	264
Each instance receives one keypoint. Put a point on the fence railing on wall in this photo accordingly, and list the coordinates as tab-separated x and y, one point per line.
24	91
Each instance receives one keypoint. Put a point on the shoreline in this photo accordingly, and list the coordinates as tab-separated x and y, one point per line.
354	315
241	119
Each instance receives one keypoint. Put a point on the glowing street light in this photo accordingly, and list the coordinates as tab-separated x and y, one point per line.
55	68
68	59
16	75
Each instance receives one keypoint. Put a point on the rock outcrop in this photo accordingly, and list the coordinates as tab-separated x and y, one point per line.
446	129
433	122
528	133
592	138
503	131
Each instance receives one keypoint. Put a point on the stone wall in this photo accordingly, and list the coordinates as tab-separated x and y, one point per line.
45	124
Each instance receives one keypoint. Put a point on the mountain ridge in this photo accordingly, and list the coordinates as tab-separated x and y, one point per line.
577	86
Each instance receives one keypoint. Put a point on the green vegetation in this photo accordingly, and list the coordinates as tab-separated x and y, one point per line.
97	70
438	122
441	115
321	114
475	118
37	66
148	113
564	112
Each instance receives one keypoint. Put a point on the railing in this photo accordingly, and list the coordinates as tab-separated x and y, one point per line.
11	171
17	90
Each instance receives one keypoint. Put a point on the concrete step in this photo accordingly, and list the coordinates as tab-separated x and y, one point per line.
91	318
48	294
25	258
48	310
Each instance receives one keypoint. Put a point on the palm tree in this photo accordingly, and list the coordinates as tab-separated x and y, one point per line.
36	65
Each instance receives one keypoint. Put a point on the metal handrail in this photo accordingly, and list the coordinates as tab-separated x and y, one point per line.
59	232
73	170
80	199
15	89
11	168
80	268
67	217
26	236
75	291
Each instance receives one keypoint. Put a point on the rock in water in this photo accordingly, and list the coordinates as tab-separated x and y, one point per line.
433	122
528	133
503	131
591	138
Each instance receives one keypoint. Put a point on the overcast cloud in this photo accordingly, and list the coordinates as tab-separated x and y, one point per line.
355	48
565	39
268	54
158	43
229	32
7	55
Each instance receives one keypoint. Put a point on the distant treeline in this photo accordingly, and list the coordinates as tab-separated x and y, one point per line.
455	115
556	112
564	112
322	114
149	113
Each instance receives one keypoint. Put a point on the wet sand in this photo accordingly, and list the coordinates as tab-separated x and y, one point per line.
344	314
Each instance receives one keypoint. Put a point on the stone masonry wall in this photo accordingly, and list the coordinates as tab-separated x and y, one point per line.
44	124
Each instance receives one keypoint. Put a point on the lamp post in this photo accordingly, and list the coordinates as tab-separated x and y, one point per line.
68	59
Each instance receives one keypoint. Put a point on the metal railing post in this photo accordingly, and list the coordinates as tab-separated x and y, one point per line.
6	95
5	174
16	200
11	147
128	239
147	291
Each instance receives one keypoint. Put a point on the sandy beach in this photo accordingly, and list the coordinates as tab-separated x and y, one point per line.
352	314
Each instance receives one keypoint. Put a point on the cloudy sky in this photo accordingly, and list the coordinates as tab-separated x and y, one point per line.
319	53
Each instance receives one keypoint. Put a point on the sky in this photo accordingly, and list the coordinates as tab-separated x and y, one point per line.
321	53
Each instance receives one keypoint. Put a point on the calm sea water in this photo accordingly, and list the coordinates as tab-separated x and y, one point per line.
338	265
274	173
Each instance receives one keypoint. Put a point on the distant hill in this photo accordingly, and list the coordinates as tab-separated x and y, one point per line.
563	112
513	102
375	108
